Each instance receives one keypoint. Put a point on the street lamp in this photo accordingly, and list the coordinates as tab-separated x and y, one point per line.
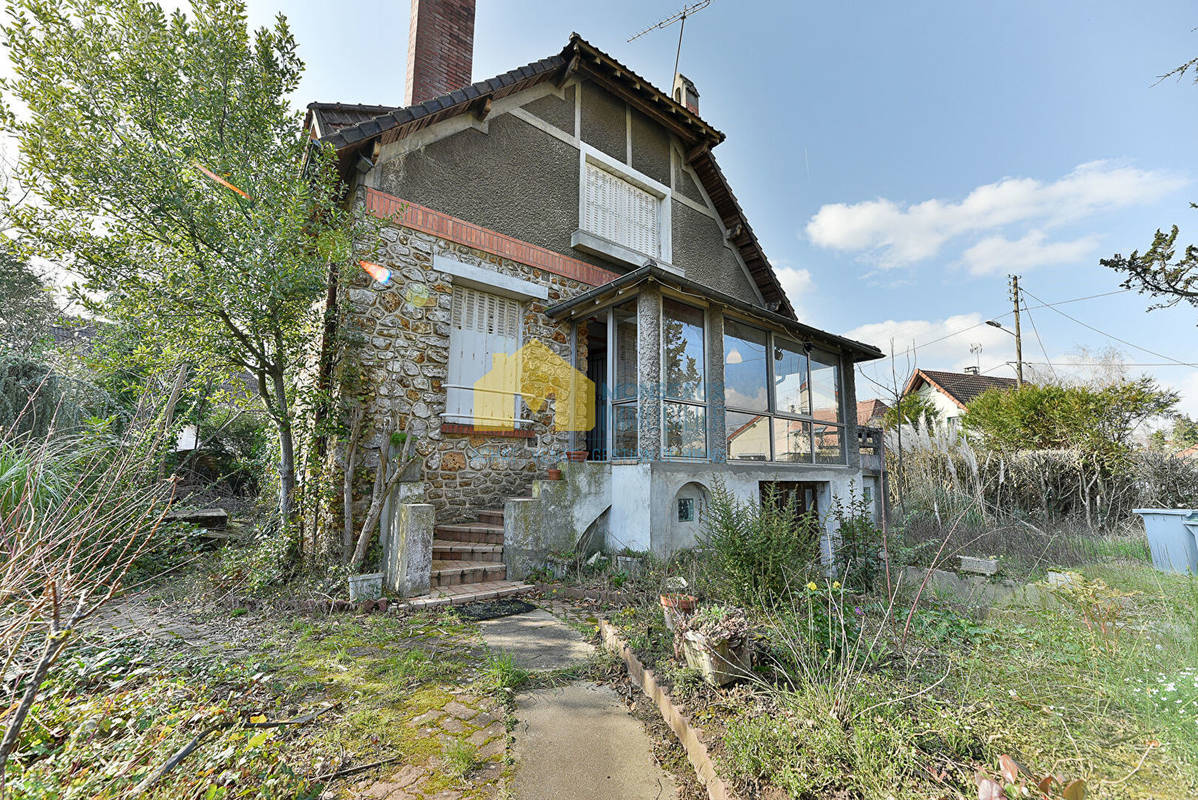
1018	347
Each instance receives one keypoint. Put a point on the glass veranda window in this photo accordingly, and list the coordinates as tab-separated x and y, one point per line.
624	383
746	392
684	372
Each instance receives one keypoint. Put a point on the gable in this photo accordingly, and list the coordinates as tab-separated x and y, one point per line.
650	117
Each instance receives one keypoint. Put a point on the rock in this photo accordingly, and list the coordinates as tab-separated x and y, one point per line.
979	566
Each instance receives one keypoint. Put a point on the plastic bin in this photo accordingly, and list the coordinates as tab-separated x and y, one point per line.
1172	538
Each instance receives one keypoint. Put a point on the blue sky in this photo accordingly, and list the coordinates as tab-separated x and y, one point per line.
896	160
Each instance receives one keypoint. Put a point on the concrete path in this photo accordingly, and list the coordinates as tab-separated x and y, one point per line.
537	640
576	741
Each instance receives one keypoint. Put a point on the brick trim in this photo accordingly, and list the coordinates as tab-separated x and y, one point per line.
458	429
459	231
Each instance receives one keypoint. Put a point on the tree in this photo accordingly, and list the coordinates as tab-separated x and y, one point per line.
1099	422
1159	271
1182	434
911	409
171	174
26	309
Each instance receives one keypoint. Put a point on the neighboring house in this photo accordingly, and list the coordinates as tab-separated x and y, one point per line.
950	392
571	204
871	413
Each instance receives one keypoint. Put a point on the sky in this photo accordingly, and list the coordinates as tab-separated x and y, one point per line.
896	160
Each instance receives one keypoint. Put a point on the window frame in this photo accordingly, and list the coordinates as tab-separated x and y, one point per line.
665	400
588	154
772	414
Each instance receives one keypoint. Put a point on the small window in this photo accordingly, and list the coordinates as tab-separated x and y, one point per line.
686	509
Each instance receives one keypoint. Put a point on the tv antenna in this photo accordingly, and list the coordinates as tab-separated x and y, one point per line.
976	350
680	17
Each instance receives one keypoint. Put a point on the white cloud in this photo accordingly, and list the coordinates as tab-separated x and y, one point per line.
940	344
998	254
797	283
896	235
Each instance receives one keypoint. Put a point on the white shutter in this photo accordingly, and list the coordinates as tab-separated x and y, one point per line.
617	210
482	325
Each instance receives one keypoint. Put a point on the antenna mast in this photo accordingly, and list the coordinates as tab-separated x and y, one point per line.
668	21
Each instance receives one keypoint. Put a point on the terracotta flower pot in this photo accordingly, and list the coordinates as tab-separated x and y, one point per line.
576	456
554	475
676	608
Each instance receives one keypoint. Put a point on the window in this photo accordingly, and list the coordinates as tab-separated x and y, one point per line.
686	509
624	382
482	326
684	372
785	407
622	212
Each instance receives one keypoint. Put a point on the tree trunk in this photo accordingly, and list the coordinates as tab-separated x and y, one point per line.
286	449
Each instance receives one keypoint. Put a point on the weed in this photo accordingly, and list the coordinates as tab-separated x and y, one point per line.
502	673
461	758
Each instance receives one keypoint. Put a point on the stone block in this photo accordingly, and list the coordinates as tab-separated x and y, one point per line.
408	547
979	566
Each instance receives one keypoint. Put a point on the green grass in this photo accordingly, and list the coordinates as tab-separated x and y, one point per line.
501	673
461	758
1033	682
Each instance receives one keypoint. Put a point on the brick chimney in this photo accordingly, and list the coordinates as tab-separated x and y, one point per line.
440	48
685	93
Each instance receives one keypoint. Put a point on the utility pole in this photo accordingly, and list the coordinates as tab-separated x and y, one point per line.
1018	334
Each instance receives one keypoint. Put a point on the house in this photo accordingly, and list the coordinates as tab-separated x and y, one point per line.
572	204
871	413
951	392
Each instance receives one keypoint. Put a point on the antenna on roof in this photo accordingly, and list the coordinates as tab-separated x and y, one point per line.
668	21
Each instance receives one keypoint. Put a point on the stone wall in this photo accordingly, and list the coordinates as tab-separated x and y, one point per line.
394	362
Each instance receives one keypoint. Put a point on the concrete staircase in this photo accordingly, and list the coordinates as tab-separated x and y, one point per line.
468	564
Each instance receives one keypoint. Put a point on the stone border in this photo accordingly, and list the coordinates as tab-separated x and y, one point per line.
687	734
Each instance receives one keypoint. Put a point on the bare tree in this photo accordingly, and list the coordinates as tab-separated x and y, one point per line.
74	518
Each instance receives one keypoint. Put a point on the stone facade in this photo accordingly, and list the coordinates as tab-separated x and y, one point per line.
395	363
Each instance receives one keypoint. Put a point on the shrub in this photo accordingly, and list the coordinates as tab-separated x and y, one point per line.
754	553
858	542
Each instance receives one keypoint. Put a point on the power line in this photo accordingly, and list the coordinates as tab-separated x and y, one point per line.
1032	320
1009	313
1111	335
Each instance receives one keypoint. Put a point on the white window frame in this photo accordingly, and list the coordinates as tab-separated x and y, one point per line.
588	154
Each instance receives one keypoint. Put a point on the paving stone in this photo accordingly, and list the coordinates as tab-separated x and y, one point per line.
453	725
484	735
427	718
495	749
462	712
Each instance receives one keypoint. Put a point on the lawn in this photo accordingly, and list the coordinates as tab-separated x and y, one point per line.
1115	705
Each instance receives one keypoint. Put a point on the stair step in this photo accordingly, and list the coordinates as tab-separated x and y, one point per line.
476	532
449	550
466	593
491	517
454	572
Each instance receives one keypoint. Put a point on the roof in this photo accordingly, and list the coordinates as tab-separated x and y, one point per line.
653	273
324	119
350	128
870	409
960	387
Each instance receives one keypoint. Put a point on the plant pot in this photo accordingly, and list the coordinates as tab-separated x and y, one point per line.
632	566
576	456
554	475
677	607
557	568
367	586
721	662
